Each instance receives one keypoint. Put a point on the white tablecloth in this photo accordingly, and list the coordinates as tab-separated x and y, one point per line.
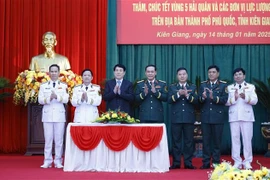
130	159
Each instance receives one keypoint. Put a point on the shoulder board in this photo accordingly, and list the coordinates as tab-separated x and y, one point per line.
44	82
173	84
162	81
203	82
63	82
79	85
222	81
95	85
140	81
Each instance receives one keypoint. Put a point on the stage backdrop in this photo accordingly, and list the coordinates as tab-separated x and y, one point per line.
80	27
254	59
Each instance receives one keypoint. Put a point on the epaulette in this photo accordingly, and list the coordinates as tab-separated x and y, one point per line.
203	82
173	84
140	81
78	85
44	82
162	81
63	82
223	81
96	85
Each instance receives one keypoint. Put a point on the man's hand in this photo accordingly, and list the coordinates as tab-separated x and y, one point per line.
116	89
204	93
242	95
153	89
145	89
236	95
210	93
84	97
53	96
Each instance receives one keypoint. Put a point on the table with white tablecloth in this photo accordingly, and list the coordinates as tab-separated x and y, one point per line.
116	148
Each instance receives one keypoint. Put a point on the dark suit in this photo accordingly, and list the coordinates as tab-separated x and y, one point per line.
116	101
182	119
151	107
212	117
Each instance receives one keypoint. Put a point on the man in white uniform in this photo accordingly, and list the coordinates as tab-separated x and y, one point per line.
53	94
86	98
242	96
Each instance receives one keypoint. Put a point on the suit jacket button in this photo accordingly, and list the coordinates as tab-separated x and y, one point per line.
151	108
210	109
183	110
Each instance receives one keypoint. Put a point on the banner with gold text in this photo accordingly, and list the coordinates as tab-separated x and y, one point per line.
193	22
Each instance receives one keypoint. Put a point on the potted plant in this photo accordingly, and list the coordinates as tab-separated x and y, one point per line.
263	93
4	83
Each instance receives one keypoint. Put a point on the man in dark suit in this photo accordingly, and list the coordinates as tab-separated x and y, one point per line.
118	92
213	95
150	93
182	96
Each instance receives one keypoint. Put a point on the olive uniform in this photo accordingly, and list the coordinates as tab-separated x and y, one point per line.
151	107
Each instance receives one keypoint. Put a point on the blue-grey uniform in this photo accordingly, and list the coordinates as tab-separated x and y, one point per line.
86	111
241	118
212	117
151	107
182	121
53	118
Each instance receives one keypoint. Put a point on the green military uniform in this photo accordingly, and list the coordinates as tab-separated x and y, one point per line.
151	107
182	119
212	117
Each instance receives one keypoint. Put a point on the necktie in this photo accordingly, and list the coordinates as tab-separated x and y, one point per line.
212	84
119	83
150	83
54	84
182	86
240	86
86	88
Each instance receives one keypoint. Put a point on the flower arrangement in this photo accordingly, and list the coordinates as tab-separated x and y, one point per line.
28	82
116	117
225	171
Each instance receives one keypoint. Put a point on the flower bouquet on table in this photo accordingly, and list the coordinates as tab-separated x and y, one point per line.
28	82
225	171
116	117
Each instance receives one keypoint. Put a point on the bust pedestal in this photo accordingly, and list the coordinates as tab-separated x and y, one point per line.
35	136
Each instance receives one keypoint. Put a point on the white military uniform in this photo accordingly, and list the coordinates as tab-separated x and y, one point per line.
86	111
241	118
53	118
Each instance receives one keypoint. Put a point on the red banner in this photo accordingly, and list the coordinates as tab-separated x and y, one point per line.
193	22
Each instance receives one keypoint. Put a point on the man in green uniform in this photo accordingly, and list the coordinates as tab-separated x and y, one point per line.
213	95
183	97
150	93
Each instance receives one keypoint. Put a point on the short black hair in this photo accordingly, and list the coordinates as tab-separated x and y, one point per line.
213	66
120	66
150	65
181	68
87	69
54	65
238	70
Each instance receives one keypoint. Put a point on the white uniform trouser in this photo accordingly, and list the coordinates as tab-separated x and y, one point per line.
246	130
53	131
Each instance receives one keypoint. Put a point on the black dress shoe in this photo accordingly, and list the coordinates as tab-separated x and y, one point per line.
190	166
175	167
205	166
